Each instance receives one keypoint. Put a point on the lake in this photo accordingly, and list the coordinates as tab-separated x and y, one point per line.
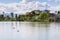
29	31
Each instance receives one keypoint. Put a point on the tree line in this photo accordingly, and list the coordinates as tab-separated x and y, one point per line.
30	16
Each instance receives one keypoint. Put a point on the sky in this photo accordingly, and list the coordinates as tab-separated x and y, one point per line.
23	6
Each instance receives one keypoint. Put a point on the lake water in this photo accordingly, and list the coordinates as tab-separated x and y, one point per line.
29	31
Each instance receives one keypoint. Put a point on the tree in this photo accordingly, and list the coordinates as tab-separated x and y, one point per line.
8	18
43	16
1	17
58	12
12	15
33	13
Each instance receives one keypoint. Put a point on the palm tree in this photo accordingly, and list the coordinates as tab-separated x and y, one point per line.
12	15
16	17
3	15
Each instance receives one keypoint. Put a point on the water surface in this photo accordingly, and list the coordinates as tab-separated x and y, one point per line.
29	31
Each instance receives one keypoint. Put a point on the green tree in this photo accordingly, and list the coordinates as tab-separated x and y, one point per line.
8	18
1	17
44	16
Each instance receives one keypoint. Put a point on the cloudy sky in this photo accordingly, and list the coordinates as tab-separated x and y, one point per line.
22	6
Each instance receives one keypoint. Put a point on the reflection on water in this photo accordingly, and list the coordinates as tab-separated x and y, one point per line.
29	31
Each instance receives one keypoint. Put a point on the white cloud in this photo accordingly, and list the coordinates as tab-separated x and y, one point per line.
23	7
54	0
55	8
49	0
28	0
57	0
